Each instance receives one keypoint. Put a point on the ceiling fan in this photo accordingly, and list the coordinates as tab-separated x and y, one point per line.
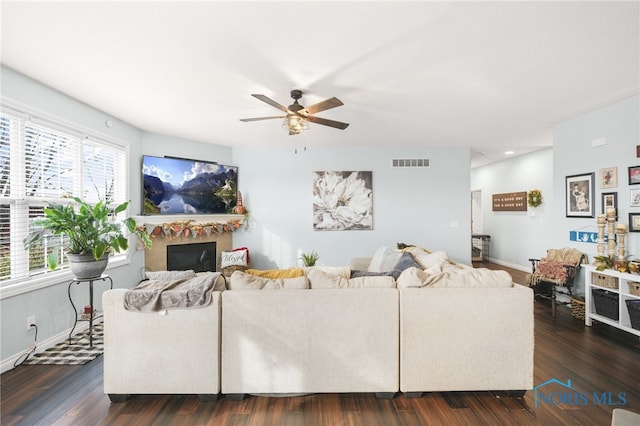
298	116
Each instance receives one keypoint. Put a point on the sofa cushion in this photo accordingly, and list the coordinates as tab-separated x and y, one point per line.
321	280
276	273
472	278
468	278
242	281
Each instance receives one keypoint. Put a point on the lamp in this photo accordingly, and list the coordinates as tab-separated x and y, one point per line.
295	123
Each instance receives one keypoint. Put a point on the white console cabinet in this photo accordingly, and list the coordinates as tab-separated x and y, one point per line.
623	291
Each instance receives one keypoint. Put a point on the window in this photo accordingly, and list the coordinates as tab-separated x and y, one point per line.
41	162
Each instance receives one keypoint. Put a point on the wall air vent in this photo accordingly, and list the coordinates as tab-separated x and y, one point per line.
409	162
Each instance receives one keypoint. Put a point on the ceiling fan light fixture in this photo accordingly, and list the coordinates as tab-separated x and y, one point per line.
295	124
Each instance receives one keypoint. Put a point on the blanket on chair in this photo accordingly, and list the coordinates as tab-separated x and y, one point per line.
161	295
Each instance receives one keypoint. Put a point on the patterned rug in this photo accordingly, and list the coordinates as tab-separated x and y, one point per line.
77	352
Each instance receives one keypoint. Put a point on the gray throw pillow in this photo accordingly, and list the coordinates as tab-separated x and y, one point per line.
406	261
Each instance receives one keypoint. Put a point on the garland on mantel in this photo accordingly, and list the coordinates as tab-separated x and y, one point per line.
174	230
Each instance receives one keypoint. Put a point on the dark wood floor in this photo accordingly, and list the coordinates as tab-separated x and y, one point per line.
596	359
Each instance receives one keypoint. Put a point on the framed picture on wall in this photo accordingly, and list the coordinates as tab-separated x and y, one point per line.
579	195
634	175
609	177
635	198
609	199
634	222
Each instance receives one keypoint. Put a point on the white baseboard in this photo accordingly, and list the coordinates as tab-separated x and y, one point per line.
8	364
511	265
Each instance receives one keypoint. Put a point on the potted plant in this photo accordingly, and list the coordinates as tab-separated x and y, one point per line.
89	232
309	259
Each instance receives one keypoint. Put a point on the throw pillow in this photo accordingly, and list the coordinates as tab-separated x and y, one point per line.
384	260
276	273
405	261
321	280
232	258
412	277
552	269
342	271
427	260
243	281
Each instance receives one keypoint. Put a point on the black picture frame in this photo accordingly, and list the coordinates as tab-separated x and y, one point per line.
634	175
634	222
579	195
610	199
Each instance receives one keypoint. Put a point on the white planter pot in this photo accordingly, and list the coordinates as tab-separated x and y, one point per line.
85	266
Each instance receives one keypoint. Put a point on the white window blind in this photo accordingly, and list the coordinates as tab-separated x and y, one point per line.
42	164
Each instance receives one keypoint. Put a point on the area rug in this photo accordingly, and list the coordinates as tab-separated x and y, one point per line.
77	352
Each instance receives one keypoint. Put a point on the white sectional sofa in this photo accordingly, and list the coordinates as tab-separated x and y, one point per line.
310	341
466	339
446	328
173	352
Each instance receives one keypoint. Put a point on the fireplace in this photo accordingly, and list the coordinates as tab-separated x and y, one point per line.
200	257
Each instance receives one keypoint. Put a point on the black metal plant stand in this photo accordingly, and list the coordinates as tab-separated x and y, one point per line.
83	316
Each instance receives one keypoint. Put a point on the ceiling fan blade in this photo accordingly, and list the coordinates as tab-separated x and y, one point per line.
325	122
271	102
324	105
262	118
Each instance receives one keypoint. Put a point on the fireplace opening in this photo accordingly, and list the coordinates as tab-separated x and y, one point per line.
200	257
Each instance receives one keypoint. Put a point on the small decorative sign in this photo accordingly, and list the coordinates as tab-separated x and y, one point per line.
510	202
584	236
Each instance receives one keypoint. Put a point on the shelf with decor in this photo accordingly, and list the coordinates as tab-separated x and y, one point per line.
613	298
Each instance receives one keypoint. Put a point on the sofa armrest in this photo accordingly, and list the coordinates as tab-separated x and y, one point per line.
150	353
466	339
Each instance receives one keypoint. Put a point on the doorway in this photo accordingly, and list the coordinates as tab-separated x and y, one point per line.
476	212
477	245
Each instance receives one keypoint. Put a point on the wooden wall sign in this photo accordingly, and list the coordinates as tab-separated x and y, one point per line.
510	202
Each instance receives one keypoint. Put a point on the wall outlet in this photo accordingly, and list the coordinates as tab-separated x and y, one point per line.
30	320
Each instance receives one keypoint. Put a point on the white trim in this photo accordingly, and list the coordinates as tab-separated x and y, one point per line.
47	280
194	218
510	265
38	116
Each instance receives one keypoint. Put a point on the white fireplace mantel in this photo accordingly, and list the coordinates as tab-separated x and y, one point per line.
196	219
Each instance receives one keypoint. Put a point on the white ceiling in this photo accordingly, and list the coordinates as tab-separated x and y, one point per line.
494	76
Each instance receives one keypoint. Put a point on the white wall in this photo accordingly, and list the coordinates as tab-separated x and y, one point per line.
410	205
161	145
518	236
619	124
51	305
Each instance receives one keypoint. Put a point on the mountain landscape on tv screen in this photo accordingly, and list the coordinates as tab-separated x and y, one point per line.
206	193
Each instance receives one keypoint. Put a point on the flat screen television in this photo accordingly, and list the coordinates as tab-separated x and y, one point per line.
182	186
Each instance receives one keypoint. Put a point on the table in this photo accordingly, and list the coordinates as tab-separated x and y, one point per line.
81	315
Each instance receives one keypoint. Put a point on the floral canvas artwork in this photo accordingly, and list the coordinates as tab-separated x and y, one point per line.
342	201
